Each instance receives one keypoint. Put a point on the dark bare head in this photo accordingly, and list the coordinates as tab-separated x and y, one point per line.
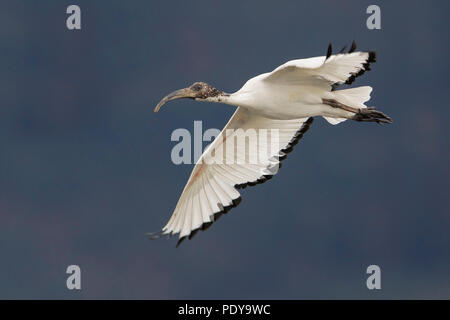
197	90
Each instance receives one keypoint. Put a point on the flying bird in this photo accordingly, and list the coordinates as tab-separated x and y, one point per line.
283	102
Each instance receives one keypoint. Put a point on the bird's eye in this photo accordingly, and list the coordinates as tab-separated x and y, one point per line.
196	87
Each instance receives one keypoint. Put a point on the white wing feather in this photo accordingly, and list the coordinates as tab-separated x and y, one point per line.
339	68
212	185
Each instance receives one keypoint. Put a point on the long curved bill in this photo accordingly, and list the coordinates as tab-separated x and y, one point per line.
178	94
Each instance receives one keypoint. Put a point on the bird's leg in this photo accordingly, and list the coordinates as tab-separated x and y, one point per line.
361	114
336	104
371	115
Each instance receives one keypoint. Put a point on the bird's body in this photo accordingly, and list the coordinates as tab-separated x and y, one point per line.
275	109
282	102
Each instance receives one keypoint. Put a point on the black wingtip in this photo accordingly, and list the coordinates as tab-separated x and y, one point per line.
329	51
155	235
180	241
372	56
193	233
366	67
343	49
353	47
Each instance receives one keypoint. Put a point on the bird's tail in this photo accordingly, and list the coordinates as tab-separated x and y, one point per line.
353	97
352	102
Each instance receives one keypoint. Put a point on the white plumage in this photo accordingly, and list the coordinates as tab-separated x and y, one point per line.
275	109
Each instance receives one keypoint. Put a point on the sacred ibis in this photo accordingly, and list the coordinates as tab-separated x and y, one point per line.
280	104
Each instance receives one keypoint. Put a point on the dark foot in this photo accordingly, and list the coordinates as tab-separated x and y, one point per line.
371	115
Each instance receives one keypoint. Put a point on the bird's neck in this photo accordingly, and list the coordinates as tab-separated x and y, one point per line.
221	98
233	99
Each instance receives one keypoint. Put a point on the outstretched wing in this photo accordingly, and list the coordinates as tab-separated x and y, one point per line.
330	69
247	151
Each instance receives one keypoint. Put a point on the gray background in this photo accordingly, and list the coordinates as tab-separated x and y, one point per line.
85	166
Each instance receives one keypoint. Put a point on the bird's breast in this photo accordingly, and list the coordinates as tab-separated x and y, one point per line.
282	101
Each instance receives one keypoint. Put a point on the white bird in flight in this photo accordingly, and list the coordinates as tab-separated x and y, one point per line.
286	100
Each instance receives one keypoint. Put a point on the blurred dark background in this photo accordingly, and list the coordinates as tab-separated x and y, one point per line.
85	166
